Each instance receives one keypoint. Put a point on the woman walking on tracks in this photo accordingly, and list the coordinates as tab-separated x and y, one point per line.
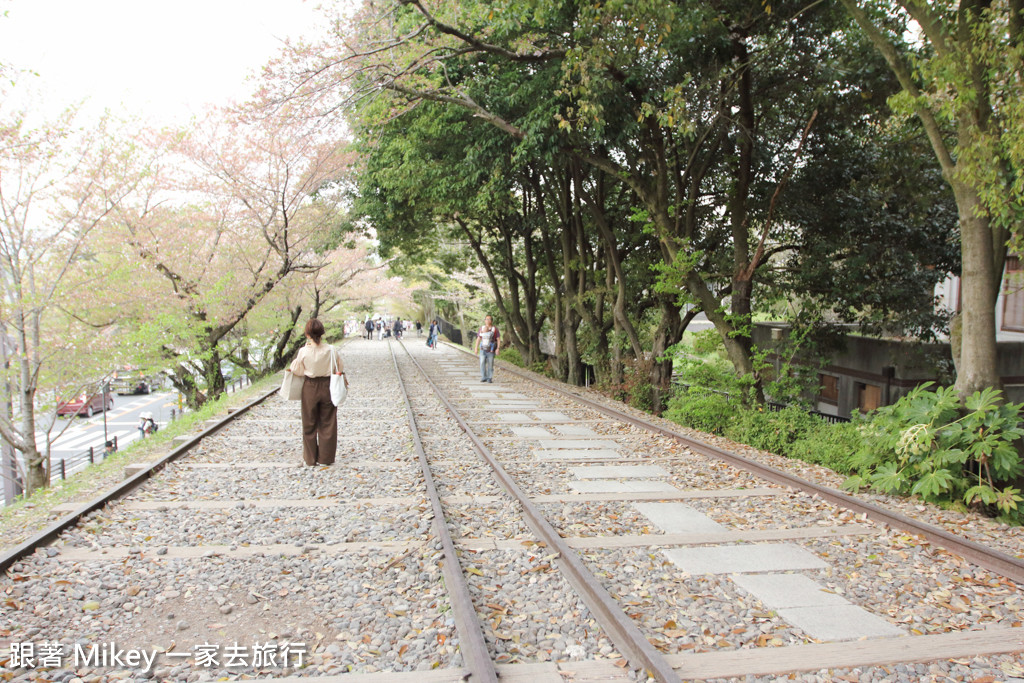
487	345
435	329
319	414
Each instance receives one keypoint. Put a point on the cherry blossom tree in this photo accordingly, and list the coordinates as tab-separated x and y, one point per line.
352	278
233	212
59	180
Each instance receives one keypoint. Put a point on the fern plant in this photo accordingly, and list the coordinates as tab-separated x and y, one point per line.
930	445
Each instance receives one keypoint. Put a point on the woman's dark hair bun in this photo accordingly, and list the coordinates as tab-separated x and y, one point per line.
315	330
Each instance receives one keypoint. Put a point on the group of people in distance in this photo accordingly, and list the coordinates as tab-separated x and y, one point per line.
317	361
383	329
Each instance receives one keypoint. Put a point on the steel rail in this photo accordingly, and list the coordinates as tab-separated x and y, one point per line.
50	533
981	555
474	650
625	635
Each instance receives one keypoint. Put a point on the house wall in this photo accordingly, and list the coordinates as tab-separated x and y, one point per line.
886	369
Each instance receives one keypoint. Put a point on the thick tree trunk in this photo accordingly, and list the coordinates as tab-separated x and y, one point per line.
185	383
37	464
215	385
669	332
463	328
977	366
982	248
285	348
573	363
615	378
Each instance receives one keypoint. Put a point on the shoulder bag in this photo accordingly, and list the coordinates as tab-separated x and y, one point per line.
291	386
339	392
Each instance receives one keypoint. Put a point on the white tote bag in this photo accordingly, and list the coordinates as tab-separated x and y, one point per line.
291	386
339	392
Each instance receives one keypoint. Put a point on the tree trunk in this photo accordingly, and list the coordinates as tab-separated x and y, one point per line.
615	377
215	385
977	366
462	323
37	465
669	332
185	383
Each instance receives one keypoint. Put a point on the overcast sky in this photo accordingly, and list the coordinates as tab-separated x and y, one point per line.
161	60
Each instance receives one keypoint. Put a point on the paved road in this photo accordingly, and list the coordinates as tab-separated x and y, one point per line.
122	422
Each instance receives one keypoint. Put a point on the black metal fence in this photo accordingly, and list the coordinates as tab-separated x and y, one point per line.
451	331
70	464
833	419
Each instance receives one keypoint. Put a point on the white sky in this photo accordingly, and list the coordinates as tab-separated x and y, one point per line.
160	60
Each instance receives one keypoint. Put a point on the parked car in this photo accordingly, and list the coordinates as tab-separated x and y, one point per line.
88	402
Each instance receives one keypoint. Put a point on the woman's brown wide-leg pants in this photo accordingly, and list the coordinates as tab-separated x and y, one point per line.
319	422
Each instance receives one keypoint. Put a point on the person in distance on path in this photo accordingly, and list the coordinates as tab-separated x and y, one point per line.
435	329
486	345
319	414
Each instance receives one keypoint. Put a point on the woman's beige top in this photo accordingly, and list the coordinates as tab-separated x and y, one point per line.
314	360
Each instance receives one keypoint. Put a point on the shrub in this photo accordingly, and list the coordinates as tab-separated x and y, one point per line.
929	445
773	432
707	342
510	354
704	410
791	432
831	445
641	396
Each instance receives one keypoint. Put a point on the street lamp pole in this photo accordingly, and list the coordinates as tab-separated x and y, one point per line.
106	402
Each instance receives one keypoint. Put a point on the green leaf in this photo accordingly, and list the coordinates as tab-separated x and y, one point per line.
986	494
889	478
1008	498
854	482
932	484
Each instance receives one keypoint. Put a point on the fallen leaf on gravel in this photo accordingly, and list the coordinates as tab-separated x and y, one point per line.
1012	669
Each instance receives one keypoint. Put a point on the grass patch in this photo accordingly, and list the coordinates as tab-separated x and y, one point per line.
28	516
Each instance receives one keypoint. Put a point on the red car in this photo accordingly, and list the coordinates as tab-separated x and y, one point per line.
88	402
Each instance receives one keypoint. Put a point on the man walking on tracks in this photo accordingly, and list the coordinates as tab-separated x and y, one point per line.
486	345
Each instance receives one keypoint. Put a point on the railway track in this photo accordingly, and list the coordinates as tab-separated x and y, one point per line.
995	560
878	644
479	532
